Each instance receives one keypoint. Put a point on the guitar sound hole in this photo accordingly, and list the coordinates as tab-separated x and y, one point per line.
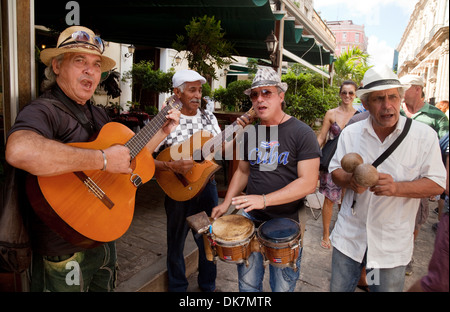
198	156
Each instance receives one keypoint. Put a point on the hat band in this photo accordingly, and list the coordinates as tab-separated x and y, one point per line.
83	37
265	83
383	82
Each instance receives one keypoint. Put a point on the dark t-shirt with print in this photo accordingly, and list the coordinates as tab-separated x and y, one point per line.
273	153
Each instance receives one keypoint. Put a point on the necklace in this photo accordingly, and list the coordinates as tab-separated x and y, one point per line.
282	119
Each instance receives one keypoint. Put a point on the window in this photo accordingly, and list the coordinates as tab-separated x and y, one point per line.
357	37
344	36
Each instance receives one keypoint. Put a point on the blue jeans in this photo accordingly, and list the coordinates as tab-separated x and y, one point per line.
93	270
281	279
345	274
177	230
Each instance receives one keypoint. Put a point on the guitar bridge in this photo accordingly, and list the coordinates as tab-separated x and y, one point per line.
95	189
136	180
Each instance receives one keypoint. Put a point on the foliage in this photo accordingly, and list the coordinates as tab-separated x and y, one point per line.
309	96
233	97
144	77
206	89
111	84
205	46
352	65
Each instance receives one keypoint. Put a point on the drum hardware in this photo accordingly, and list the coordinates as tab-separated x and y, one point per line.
280	242
232	238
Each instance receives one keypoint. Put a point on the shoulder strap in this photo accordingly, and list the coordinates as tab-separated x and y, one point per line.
394	145
68	106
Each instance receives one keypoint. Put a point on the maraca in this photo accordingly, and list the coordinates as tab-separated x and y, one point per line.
365	174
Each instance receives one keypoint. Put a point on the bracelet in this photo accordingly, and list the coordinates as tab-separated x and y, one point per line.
264	198
104	160
166	165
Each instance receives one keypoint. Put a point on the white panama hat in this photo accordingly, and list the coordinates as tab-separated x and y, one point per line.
379	78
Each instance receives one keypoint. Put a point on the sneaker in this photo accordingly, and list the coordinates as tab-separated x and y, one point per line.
409	268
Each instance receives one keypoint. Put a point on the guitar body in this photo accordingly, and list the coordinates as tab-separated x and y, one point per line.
69	207
188	186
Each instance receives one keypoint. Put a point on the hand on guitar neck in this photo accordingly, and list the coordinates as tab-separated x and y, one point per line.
183	166
183	170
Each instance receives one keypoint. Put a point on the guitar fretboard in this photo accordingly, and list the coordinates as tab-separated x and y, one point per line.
215	144
137	142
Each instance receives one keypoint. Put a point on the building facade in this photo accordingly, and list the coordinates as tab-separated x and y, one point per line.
423	49
348	35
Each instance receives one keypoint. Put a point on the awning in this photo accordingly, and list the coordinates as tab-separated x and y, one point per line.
156	23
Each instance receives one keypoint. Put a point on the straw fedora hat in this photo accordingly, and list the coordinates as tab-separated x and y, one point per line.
78	39
267	76
379	78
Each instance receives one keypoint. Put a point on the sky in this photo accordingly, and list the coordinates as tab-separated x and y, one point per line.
384	21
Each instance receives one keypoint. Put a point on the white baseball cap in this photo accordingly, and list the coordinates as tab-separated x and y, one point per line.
412	80
186	75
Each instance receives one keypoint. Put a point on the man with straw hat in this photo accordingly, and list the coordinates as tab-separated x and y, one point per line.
36	144
280	165
375	225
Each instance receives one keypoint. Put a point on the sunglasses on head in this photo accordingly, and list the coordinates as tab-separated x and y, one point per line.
264	93
84	38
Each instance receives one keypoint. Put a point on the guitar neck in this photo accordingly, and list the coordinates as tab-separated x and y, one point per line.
215	143
137	142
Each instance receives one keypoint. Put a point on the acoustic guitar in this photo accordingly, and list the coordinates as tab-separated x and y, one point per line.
201	147
93	207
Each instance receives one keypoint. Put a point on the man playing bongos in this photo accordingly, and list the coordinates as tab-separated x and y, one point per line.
278	169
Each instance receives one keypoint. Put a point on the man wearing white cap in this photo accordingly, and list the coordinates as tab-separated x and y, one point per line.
375	226
35	144
187	86
415	107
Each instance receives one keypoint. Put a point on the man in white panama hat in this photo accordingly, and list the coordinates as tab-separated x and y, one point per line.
35	144
375	225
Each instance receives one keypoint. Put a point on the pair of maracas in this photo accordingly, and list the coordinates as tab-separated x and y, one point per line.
365	174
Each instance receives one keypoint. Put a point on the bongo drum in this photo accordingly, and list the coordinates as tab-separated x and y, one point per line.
280	241
231	236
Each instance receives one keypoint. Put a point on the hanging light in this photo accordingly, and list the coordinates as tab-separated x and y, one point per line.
271	43
131	49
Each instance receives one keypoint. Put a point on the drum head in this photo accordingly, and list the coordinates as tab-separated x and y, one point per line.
279	230
232	228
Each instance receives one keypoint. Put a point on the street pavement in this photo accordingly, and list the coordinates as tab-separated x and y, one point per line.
142	250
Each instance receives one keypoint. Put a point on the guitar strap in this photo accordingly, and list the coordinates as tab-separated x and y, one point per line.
68	106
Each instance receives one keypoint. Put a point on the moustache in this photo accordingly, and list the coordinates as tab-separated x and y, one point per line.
195	101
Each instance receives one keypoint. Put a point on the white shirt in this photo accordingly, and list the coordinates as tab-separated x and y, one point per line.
191	124
384	225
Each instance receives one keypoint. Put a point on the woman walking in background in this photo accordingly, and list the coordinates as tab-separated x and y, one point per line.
334	121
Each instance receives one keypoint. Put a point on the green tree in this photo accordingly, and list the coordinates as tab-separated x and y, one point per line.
352	65
205	46
144	77
233	98
308	96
